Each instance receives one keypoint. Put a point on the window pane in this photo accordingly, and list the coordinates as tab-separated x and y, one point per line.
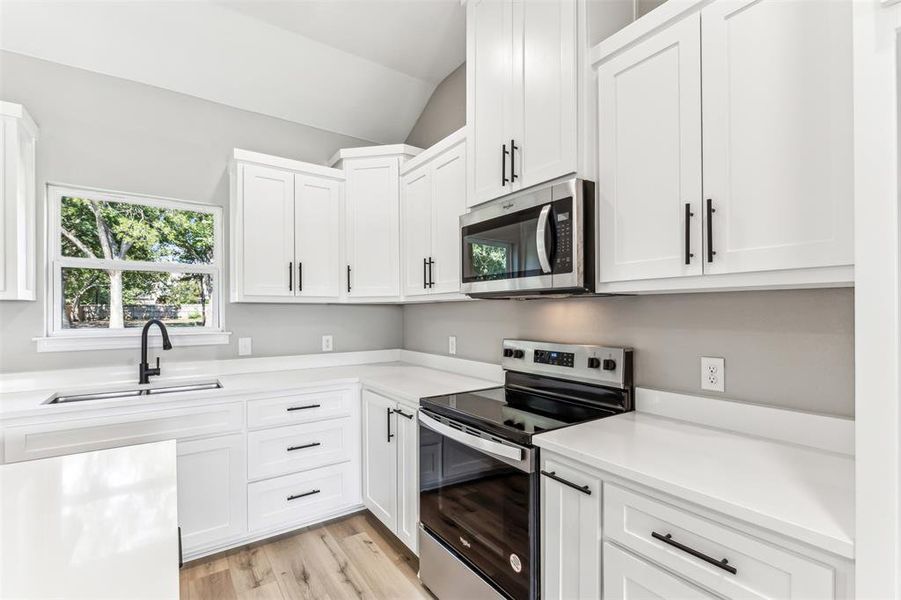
98	299
121	231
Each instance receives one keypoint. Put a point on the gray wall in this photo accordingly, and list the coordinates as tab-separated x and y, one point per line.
110	133
444	113
787	348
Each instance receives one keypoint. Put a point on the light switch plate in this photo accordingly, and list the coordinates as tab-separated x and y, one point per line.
713	374
452	344
245	346
327	343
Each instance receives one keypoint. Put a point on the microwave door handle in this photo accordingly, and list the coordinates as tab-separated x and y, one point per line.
473	441
540	235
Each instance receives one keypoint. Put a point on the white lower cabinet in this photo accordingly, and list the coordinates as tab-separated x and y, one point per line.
391	464
212	500
627	577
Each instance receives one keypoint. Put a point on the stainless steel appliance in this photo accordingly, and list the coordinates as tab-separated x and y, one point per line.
478	468
536	242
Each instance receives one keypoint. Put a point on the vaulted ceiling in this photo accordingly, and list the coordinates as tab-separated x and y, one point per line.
363	68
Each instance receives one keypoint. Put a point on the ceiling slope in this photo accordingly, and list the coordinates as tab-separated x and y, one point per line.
215	53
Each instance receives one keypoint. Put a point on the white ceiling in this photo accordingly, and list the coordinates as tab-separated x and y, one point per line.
364	68
422	38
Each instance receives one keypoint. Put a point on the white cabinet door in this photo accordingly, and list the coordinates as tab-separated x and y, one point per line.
570	534
380	458
267	234
545	91
778	168
416	210
373	227
489	100
408	477
627	577
448	203
317	226
649	183
212	491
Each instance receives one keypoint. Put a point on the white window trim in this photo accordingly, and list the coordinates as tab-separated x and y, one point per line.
57	339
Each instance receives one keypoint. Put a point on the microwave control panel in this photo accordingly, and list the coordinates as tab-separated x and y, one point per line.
563	228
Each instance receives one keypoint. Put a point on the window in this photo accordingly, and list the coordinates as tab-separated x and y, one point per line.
117	260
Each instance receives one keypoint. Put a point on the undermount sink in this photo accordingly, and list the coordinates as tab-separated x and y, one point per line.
131	393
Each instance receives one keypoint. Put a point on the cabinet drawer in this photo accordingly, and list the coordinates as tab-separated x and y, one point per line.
284	450
299	407
630	578
303	497
40	440
762	569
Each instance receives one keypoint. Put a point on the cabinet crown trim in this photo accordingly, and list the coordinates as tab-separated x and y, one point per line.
374	151
437	149
248	156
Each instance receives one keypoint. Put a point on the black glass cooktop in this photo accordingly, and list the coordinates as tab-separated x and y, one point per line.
516	414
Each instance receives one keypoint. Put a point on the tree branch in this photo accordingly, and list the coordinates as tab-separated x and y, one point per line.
78	243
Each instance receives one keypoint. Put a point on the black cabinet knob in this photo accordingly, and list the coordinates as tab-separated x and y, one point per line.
508	352
609	364
518	354
594	363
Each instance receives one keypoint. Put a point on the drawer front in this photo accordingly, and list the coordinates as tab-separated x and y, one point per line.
307	407
303	497
41	440
284	450
762	569
628	577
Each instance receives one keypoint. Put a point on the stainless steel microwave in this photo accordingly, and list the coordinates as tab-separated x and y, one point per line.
536	242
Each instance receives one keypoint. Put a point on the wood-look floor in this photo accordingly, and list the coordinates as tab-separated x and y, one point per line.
352	557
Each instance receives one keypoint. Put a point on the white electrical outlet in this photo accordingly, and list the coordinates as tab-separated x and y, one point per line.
713	374
245	346
451	344
326	343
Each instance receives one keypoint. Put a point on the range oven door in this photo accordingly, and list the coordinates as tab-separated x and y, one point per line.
529	243
479	496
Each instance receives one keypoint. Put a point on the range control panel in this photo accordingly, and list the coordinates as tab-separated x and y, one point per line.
590	364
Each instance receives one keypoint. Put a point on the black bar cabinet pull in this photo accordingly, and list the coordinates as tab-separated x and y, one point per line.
296	496
348	279
181	556
300	277
688	216
425	281
431	281
668	539
513	149
710	211
504	154
390	435
312	445
553	475
291	408
290	274
403	414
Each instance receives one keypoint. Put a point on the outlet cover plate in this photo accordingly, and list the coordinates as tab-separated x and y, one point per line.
245	346
452	344
327	343
713	374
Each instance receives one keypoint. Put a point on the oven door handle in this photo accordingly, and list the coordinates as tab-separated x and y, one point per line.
470	440
544	255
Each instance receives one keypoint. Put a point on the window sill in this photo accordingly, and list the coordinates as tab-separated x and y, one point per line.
127	339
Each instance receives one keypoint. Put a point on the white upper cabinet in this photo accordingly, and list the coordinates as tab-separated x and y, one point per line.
778	166
649	157
317	248
285	230
18	134
433	196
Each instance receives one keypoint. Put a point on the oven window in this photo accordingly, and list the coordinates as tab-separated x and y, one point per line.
480	506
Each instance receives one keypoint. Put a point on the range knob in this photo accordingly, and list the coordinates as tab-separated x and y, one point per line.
594	363
508	352
518	354
609	364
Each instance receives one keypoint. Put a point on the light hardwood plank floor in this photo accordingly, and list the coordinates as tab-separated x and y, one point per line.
352	557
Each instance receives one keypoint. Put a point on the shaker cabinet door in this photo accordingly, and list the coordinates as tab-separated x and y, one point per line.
266	255
380	458
408	477
317	237
416	210
448	203
628	577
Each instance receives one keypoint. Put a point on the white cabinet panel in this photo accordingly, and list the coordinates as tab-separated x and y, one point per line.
300	407
545	110
490	92
373	227
284	450
777	110
627	577
267	232
18	209
650	157
448	203
416	207
408	477
570	533
317	235
212	499
380	457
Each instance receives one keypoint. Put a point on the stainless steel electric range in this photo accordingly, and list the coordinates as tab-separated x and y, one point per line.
478	469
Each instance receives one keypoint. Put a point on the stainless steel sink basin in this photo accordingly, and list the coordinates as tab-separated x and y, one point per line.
131	393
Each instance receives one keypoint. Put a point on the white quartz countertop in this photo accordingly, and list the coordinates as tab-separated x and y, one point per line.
93	525
400	379
800	492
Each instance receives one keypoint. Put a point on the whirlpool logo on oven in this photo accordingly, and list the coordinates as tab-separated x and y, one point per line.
515	563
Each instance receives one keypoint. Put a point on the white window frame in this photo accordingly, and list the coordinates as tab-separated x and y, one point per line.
58	339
